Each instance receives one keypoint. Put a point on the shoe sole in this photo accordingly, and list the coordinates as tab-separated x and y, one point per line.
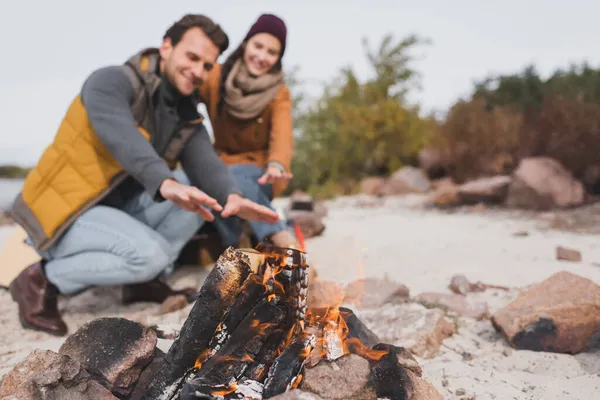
27	325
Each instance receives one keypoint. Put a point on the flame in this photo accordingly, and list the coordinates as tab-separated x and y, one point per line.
334	337
223	392
298	381
202	358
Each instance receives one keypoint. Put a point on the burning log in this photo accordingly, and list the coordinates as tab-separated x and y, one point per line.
286	372
220	373
358	330
253	290
221	286
275	344
390	379
286	272
250	335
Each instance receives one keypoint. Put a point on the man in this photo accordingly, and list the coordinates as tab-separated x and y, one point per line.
105	205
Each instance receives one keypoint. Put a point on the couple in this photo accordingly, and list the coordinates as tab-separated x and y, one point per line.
132	175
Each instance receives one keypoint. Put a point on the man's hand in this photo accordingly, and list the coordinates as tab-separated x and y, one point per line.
190	198
248	210
274	174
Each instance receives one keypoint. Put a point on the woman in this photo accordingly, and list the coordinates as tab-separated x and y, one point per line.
250	110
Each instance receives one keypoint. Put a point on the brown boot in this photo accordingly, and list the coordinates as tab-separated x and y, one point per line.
155	291
38	301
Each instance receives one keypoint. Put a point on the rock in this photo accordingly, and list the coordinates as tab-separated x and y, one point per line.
350	377
455	303
345	378
321	209
113	350
372	293
405	180
561	314
446	194
46	375
301	201
459	284
542	183
431	161
566	254
309	222
410	325
173	303
324	294
146	375
296	394
591	178
485	190
371	185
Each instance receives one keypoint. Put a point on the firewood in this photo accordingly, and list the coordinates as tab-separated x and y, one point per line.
220	373
286	372
218	291
252	292
286	271
390	379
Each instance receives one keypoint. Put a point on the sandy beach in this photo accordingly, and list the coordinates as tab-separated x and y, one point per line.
402	240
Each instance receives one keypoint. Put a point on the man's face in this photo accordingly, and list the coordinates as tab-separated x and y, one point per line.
187	64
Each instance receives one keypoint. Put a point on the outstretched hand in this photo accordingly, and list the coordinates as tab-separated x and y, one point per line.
274	174
190	198
248	210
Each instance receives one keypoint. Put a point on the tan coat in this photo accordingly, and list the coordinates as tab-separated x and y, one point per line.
255	141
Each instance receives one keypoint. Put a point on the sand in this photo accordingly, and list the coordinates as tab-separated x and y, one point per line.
403	240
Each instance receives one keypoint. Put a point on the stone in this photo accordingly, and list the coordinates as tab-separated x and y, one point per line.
455	304
566	254
560	314
310	223
372	293
485	190
431	161
542	183
410	325
146	375
406	180
446	194
371	185
113	350
345	378
324	294
301	201
297	394
46	375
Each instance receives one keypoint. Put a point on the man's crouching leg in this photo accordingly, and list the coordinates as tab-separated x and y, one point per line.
104	247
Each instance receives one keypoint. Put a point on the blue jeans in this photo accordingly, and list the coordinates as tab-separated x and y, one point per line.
109	246
230	229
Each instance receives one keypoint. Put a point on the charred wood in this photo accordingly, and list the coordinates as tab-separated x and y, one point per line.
286	372
275	344
288	271
390	379
220	374
252	292
220	288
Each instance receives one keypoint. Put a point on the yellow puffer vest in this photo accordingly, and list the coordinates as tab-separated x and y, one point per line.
76	170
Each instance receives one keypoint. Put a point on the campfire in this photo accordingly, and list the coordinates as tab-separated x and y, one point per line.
251	336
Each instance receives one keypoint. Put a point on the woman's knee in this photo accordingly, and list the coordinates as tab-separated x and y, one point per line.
148	261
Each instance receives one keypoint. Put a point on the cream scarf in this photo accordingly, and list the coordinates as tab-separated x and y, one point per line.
247	96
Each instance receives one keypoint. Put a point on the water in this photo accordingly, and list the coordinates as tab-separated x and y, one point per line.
8	190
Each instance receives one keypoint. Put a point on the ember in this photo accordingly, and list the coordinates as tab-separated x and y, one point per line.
250	335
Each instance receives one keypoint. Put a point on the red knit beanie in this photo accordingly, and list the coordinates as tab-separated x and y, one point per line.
269	23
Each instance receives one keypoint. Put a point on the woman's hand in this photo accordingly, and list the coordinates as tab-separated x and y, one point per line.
274	174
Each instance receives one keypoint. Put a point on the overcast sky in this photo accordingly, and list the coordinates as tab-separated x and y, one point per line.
49	47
